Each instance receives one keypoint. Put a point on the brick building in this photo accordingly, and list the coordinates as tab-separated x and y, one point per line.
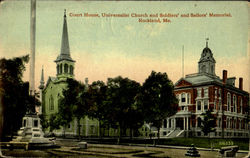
204	90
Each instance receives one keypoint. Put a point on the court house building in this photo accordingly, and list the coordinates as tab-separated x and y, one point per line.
205	90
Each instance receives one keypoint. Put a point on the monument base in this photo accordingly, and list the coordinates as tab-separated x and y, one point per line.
32	133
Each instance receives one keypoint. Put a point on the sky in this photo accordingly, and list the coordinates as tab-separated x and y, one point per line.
110	46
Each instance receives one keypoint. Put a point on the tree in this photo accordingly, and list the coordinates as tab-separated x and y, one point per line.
121	95
157	99
69	106
208	123
15	94
98	108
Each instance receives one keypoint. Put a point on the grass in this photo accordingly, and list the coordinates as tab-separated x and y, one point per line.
206	142
198	142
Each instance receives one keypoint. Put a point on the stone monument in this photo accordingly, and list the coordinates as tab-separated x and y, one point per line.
31	132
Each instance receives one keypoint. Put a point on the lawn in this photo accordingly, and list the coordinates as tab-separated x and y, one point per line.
206	143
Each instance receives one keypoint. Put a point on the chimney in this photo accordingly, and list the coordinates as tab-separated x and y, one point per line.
241	83
224	76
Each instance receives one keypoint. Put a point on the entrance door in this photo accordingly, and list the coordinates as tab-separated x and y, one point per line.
179	123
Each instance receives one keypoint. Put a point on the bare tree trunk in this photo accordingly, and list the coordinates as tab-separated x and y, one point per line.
1	113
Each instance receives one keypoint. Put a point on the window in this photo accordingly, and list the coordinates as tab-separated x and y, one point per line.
188	98
205	104
219	122
240	105
183	98
51	103
206	92
228	101
71	70
215	92
198	105
234	103
65	68
199	92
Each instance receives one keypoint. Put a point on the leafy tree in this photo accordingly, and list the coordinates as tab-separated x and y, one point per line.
54	122
208	123
98	108
121	95
157	99
70	106
14	94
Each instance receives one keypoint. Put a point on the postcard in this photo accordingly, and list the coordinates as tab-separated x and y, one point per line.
106	39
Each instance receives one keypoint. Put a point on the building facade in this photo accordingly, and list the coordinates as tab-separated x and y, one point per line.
51	92
202	91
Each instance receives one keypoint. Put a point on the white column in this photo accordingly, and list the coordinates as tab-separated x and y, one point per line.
174	123
187	123
167	123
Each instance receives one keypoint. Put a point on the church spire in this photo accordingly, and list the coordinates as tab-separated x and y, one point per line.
64	63
42	80
65	51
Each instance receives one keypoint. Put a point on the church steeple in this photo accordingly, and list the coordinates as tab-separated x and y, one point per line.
64	62
207	61
42	80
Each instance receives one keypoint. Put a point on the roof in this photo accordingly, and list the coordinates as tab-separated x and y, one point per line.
65	51
200	78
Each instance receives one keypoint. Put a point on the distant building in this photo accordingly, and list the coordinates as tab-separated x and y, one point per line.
52	91
202	91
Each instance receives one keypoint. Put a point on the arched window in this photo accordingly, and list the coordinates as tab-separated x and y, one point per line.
57	69
183	97
198	105
71	69
199	122
228	101
66	68
234	103
205	105
60	72
51	103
